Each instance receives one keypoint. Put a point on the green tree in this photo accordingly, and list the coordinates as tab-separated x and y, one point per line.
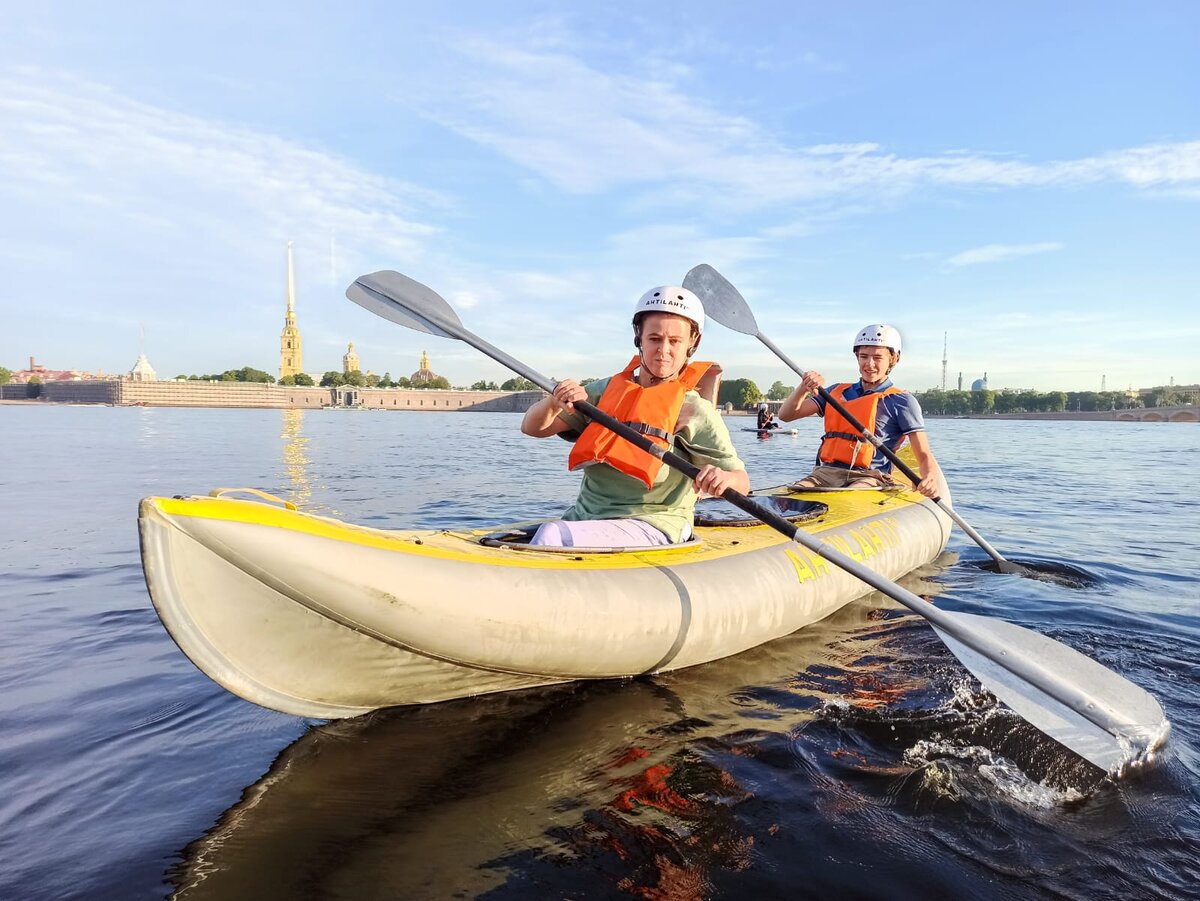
933	401
583	383
441	382
332	379
5	375
250	374
739	392
983	401
402	382
1006	402
373	380
287	381
482	385
778	391
355	378
304	379
519	384
33	388
1056	402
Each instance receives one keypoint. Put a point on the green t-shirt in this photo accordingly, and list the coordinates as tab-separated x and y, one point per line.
607	493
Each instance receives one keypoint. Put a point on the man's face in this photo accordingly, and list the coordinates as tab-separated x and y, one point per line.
873	363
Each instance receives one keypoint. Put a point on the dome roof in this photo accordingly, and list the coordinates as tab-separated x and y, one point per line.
424	374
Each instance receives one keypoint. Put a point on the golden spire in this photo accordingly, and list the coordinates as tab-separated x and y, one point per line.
290	358
291	311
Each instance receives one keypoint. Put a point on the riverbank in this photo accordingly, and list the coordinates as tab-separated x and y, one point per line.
1184	413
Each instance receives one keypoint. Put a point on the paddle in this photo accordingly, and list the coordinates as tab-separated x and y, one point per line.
1090	709
725	304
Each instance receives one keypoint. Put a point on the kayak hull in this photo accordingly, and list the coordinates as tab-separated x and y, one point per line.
320	618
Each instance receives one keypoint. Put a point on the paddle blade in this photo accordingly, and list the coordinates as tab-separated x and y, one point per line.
721	300
406	302
1111	722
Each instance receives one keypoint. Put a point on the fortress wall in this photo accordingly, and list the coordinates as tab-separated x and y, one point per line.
246	394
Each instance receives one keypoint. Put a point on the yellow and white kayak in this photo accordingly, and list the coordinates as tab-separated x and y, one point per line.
321	618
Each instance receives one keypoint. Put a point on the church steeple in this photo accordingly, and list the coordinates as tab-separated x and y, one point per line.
290	358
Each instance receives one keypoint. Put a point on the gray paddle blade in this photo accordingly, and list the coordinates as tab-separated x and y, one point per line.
406	302
1110	721
721	300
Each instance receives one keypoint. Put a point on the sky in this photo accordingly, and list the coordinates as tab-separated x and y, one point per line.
1018	183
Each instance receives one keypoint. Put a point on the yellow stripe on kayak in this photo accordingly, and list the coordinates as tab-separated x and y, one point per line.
463	546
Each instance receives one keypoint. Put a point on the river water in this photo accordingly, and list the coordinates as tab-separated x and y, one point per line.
855	759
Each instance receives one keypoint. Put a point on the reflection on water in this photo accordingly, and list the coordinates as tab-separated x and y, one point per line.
295	460
471	795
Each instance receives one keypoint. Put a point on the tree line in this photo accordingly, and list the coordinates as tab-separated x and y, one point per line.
743	393
937	402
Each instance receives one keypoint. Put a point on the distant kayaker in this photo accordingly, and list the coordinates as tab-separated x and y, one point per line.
766	419
629	497
845	459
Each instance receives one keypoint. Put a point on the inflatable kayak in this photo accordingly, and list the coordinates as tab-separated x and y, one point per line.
321	618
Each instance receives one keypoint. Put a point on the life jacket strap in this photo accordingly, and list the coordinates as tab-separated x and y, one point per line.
849	436
647	429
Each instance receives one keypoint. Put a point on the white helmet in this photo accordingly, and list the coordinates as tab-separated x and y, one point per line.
878	336
672	299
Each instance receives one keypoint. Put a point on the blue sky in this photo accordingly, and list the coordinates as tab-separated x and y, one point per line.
1022	177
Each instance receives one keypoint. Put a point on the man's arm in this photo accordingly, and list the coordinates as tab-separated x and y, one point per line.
801	403
927	465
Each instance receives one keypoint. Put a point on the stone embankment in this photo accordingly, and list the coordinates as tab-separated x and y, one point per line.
127	393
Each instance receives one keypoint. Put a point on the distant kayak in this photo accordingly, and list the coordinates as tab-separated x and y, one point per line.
765	432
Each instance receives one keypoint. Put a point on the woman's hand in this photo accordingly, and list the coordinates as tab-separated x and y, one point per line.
714	480
565	394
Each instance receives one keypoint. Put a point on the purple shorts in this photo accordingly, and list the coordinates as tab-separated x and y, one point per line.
598	533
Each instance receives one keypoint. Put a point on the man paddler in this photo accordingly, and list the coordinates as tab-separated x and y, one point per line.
845	458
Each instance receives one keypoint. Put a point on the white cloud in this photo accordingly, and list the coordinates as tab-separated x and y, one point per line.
589	131
73	147
995	253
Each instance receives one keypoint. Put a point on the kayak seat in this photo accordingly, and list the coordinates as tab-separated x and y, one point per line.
518	540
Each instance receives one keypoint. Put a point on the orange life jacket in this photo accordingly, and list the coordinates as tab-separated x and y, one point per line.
842	443
653	411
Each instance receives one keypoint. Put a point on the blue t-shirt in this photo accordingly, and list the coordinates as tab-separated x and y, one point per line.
897	415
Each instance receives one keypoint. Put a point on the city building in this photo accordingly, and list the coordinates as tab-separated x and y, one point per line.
42	374
142	370
424	375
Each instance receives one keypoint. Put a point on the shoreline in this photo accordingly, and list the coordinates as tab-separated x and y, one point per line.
1150	414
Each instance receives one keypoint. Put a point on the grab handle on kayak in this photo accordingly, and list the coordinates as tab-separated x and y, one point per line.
221	492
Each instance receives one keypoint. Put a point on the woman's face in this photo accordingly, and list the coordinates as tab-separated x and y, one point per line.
666	339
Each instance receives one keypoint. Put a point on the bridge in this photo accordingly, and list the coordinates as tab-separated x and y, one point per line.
1181	413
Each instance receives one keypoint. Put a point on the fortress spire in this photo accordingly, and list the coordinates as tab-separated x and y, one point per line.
290	357
291	295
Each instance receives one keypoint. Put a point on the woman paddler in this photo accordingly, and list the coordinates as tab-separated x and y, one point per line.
629	497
